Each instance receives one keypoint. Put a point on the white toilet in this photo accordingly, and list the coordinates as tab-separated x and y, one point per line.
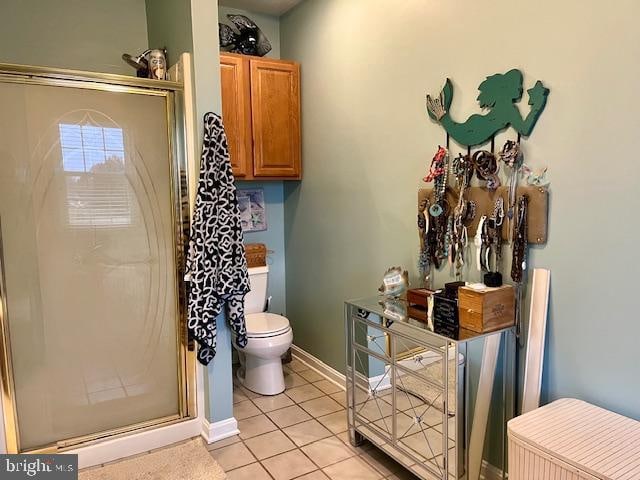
269	337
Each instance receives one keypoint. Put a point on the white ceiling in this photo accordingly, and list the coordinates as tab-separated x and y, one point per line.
269	7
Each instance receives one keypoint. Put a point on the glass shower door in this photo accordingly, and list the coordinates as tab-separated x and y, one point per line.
89	235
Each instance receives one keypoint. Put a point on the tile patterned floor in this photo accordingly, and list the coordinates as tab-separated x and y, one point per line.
299	434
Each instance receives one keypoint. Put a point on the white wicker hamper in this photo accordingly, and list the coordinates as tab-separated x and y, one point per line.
573	440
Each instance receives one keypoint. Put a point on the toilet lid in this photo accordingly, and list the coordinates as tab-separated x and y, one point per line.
265	324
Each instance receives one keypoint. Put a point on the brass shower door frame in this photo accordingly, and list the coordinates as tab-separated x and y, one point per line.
174	97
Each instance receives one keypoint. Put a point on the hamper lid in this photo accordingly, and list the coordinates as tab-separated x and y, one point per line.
587	437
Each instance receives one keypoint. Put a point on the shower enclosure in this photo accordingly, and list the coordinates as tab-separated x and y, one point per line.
93	212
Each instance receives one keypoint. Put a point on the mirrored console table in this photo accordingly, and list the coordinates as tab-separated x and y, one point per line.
437	402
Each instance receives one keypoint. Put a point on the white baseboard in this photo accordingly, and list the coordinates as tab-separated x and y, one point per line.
319	366
380	382
212	432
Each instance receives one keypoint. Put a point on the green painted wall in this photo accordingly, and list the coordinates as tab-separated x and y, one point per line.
367	142
269	25
77	34
169	25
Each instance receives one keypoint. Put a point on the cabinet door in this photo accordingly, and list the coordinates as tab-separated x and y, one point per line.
236	112
275	114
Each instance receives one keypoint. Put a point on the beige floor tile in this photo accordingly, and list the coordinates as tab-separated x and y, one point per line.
344	436
317	475
245	409
272	402
253	426
336	422
374	409
239	396
288	465
255	471
352	468
310	375
321	406
382	462
452	426
288	416
340	397
429	415
223	443
304	393
292	379
307	432
427	444
233	456
327	451
372	434
269	444
328	387
404	401
389	449
362	396
296	365
406	424
365	446
249	394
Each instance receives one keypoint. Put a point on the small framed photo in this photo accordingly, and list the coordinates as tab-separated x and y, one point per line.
253	212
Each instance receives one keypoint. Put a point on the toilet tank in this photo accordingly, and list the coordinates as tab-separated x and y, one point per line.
255	300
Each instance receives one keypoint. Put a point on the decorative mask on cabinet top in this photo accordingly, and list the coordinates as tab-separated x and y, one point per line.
247	40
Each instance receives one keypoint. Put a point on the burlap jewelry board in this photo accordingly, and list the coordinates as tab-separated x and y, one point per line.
485	201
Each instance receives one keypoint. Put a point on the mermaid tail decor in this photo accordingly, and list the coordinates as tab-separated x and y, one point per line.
499	93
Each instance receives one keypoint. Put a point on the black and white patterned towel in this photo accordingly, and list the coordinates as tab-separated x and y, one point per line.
216	263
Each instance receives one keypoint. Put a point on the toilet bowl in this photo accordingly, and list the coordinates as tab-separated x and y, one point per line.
269	336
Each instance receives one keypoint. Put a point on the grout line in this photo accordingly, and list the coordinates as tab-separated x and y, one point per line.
357	451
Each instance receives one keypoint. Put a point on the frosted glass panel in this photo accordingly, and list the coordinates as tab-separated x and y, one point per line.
89	259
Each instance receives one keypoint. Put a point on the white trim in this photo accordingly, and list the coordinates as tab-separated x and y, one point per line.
212	432
319	366
376	383
117	448
534	357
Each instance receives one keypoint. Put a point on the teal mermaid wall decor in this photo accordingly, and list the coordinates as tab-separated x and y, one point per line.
499	93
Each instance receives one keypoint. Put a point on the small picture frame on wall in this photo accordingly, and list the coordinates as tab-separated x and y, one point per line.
253	213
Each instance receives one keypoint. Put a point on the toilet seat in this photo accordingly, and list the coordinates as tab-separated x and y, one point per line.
263	325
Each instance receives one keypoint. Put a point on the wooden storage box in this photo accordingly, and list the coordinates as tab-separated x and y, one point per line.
256	254
487	309
418	303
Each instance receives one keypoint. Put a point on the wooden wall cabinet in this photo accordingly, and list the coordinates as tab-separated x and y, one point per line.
261	114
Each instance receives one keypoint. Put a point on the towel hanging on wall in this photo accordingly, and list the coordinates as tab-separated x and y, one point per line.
216	263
